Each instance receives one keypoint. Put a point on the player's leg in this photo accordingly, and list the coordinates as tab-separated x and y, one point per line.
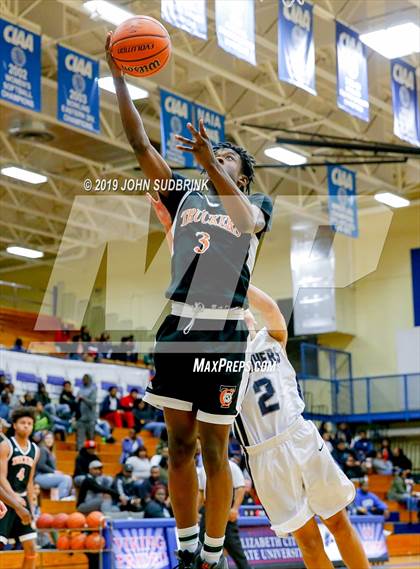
183	483
219	490
29	554
347	540
310	543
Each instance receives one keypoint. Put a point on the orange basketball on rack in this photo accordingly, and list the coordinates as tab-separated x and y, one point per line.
63	542
45	521
60	521
76	520
95	541
141	46
95	520
78	541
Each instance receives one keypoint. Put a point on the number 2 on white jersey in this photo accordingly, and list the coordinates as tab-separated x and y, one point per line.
204	240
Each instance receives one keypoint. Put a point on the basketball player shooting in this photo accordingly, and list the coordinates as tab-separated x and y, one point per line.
216	235
18	458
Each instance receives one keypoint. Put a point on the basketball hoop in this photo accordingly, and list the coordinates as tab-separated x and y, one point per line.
289	3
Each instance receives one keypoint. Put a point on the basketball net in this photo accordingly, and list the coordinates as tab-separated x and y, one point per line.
289	3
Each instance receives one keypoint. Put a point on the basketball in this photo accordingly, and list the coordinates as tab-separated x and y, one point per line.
78	541
95	541
63	542
60	521
45	521
141	46
76	520
95	520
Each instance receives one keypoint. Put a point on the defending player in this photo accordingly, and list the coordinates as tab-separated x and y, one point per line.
215	239
293	472
18	458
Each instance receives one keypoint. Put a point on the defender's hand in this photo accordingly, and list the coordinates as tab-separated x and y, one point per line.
200	146
115	70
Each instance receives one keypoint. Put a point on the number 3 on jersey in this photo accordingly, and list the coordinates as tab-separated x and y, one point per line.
267	388
204	240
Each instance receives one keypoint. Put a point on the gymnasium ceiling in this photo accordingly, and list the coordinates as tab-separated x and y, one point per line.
36	216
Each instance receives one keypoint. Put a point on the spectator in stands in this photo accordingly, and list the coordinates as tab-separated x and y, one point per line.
326	436
159	506
127	486
143	414
153	480
400	460
18	346
130	444
162	461
140	463
5	406
352	468
105	346
94	494
386	449
3	382
234	447
86	416
86	455
398	490
42	395
326	427
363	446
341	453
163	441
44	422
381	465
157	424
68	398
127	405
343	433
85	334
104	430
367	502
14	399
28	400
111	409
47	475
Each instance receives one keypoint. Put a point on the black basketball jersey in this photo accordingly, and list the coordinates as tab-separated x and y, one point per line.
212	261
20	464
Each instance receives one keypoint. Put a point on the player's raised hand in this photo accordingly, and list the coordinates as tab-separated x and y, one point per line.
115	70
199	145
3	510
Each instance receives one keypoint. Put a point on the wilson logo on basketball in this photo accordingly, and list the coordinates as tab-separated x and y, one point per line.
143	68
133	48
226	396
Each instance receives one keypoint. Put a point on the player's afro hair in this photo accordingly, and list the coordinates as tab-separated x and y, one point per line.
248	161
21	412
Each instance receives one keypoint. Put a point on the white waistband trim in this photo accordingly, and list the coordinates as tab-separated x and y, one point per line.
278	439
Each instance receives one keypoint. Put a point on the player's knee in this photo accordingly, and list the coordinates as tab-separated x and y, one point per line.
214	459
180	451
309	544
339	524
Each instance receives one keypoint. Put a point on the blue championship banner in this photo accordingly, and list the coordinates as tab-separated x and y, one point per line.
404	100
176	112
352	73
296	55
342	205
78	90
235	28
20	67
186	15
214	123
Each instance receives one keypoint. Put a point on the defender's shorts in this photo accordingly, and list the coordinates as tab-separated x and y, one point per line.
296	477
200	371
12	529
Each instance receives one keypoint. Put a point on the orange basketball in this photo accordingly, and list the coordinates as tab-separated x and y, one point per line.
95	541
78	541
141	46
76	520
60	521
45	521
95	520
63	542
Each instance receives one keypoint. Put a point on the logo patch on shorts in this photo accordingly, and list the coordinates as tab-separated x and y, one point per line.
226	395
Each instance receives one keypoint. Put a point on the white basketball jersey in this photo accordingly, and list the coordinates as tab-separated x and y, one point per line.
272	401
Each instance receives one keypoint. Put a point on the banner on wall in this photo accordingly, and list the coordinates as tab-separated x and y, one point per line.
176	112
214	123
342	204
235	28
186	15
20	68
296	52
405	103
352	73
78	90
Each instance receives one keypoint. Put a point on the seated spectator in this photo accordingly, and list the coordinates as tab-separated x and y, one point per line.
163	441
5	406
95	494
157	424
14	399
46	474
352	468
43	420
18	346
42	395
398	490
104	430
161	460
127	486
326	436
400	460
130	444
143	414
326	427
145	489
386	449
159	506
366	502
363	446
140	463
84	334
68	398
43	538
343	433
86	455
104	346
381	465
111	410
3	382
341	453
127	403
28	400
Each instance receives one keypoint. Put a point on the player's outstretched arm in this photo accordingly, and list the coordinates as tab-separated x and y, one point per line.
271	313
151	162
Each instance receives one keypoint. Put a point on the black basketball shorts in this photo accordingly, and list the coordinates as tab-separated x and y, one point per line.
12	528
